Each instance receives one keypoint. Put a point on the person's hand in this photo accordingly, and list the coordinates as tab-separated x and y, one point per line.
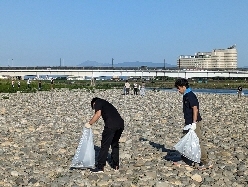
87	125
193	126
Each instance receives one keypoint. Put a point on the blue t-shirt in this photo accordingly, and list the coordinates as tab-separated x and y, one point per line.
190	100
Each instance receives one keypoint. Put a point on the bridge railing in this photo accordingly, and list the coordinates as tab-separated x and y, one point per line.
108	68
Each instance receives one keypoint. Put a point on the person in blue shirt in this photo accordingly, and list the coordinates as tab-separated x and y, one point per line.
192	116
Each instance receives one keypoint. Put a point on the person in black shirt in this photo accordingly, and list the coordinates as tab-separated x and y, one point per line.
39	85
52	82
19	84
239	91
114	125
192	116
135	88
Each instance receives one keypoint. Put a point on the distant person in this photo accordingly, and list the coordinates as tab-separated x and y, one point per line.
93	81
13	83
135	88
39	85
28	82
127	87
142	89
192	117
239	91
52	82
114	125
18	84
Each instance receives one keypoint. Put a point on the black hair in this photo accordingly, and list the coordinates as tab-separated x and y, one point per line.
93	101
182	82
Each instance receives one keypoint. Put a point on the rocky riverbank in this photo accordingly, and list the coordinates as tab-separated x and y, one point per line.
40	132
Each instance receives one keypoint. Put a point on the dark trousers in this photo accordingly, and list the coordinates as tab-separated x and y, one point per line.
135	91
239	94
110	137
127	90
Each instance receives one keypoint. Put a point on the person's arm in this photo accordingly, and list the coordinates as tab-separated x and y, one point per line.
195	113
95	117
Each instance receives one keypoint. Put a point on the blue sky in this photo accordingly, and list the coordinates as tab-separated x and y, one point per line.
40	32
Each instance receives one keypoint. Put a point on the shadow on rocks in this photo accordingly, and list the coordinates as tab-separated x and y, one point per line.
172	155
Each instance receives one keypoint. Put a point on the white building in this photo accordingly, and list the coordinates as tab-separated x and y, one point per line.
217	59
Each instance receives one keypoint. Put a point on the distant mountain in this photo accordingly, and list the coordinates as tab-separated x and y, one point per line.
89	63
124	64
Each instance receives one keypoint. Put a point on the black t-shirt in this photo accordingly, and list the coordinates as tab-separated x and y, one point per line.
240	88
190	100
110	115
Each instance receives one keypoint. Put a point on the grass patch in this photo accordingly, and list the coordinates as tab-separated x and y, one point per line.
6	87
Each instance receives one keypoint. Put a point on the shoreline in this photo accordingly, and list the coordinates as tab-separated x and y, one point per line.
156	89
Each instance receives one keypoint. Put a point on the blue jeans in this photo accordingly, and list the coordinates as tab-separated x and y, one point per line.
142	91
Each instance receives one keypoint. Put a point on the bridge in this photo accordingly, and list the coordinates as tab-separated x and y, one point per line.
122	73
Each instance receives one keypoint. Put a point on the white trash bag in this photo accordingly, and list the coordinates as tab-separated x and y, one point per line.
85	154
189	146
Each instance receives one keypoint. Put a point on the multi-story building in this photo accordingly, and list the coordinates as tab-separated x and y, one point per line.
217	59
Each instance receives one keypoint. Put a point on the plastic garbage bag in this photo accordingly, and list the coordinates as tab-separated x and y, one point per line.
189	146
85	153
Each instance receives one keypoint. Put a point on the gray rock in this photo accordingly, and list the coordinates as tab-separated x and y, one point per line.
19	181
40	133
32	180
